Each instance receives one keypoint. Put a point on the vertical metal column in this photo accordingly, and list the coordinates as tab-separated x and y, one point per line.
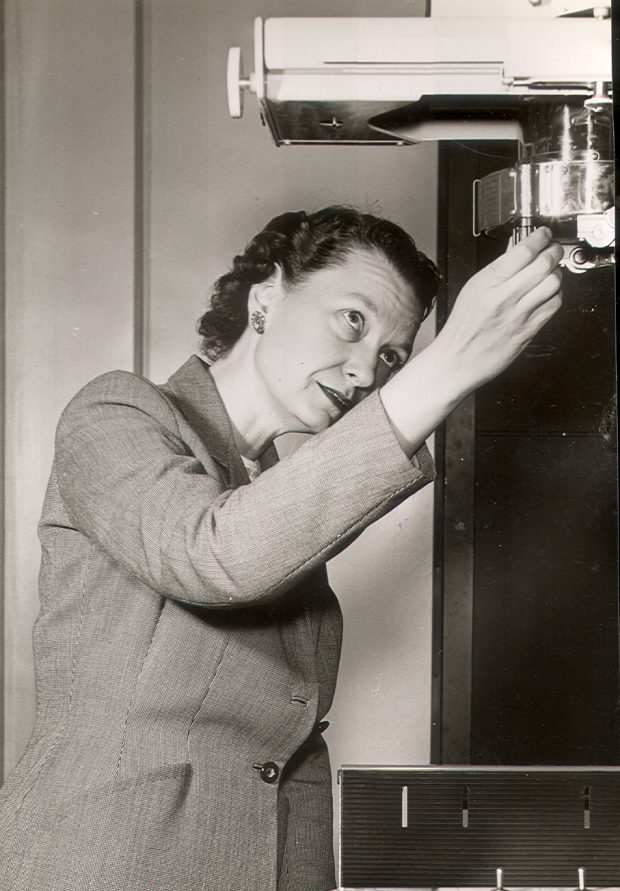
453	533
140	189
460	255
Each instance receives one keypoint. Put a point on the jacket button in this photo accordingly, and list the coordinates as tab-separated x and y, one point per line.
269	771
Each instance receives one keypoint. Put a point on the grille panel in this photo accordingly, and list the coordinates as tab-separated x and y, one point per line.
533	823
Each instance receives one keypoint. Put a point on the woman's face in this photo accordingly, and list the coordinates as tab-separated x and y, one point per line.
334	338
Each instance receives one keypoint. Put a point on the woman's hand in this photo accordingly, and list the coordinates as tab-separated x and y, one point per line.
498	312
501	309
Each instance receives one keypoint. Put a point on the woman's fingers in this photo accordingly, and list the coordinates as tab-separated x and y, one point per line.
538	294
519	257
544	266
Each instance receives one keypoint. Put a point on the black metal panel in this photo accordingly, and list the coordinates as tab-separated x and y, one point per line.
539	826
567	374
545	631
545	656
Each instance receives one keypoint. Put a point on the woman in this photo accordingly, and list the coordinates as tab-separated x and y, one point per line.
188	641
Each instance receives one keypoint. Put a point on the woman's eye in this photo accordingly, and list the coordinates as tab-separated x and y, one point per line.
391	359
355	319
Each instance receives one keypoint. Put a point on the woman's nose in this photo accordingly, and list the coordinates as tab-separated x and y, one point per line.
361	369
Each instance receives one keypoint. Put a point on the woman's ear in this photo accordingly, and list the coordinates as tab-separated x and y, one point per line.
263	294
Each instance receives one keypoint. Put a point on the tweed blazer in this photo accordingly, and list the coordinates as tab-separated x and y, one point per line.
187	645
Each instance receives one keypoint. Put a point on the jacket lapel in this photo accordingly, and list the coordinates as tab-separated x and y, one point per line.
198	398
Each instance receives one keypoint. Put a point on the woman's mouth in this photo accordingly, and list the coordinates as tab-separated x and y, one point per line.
337	398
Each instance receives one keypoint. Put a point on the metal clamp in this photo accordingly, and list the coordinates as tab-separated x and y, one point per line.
236	82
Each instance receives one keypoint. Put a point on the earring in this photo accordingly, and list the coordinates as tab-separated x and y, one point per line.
257	320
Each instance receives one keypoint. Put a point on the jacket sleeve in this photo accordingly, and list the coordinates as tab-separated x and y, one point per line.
129	482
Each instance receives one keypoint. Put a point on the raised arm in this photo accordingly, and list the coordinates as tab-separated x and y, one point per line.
129	481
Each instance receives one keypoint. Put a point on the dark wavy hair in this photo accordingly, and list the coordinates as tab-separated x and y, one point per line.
301	244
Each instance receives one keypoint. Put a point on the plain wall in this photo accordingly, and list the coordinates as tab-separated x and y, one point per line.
211	184
69	267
